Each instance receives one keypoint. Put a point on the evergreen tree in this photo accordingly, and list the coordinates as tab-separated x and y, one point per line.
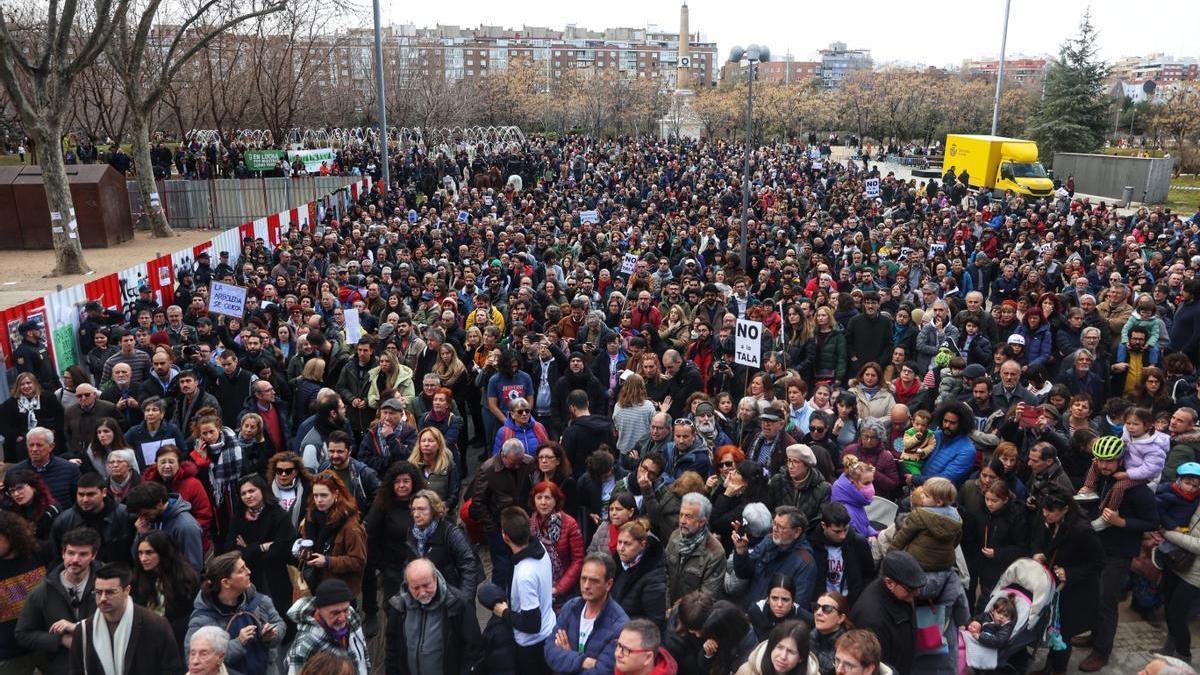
1073	113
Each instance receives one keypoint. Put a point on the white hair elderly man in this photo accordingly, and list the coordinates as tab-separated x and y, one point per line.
206	652
503	481
695	559
61	476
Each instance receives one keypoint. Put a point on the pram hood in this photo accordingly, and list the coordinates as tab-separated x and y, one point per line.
1032	576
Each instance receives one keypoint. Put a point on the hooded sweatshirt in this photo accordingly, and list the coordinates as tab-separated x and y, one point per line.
178	522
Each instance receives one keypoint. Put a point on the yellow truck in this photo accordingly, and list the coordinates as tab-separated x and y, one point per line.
997	164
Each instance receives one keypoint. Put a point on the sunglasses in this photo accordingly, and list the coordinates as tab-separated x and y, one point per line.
683	421
285	471
826	609
726	465
519	411
816	429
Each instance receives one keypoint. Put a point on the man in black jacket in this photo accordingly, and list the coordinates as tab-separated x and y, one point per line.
868	335
95	510
886	609
683	379
585	433
1121	526
841	554
48	618
231	388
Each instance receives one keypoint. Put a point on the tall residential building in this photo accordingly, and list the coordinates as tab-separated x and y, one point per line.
458	54
837	61
1023	70
1159	67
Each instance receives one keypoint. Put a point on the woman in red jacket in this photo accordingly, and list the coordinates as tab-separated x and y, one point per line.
560	535
180	478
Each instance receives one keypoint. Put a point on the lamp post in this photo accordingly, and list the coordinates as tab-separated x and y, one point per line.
1000	70
751	55
379	94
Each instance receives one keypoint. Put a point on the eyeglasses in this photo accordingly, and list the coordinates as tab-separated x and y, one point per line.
623	649
107	592
846	666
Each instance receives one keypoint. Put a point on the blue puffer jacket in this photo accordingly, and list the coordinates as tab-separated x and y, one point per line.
601	644
953	459
1038	343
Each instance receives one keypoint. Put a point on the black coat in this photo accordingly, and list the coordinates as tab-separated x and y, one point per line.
858	566
152	647
1075	547
268	569
641	590
462	644
892	621
114	524
15	423
452	554
1004	531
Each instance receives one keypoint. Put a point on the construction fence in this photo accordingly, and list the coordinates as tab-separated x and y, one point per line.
223	203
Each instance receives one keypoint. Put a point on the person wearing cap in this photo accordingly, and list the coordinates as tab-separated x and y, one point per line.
27	356
328	622
1127	509
886	608
203	272
800	485
1180	587
768	445
869	334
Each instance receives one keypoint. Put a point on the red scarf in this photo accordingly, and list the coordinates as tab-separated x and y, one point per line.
1179	491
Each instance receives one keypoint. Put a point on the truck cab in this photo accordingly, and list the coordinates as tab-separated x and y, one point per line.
1021	172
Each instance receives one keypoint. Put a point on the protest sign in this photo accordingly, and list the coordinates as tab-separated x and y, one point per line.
227	299
353	327
629	263
747	345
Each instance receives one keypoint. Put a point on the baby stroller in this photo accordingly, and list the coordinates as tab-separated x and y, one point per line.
1032	586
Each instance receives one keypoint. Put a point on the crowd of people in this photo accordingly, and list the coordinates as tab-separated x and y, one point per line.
463	423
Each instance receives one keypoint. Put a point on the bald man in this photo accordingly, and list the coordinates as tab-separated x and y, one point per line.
431	626
80	420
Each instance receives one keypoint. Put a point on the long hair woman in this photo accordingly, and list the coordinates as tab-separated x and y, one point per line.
784	652
450	425
105	438
339	549
29	497
560	535
433	458
263	533
27	407
390	521
631	416
164	581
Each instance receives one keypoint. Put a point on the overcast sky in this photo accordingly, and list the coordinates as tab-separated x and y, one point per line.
895	31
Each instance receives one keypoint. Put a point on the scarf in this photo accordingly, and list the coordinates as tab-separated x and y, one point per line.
1183	495
29	406
689	543
225	465
422	535
613	533
548	529
339	636
254	513
110	651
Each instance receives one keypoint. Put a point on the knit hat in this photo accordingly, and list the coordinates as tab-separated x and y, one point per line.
803	453
491	594
704	408
1015	339
331	592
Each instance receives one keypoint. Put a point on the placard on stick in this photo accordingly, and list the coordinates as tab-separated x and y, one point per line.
227	299
747	344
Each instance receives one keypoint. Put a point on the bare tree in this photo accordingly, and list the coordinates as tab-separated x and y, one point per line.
39	61
148	54
290	47
97	109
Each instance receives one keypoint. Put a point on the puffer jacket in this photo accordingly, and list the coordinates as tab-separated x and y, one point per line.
877	406
641	590
760	564
185	484
253	609
930	534
703	570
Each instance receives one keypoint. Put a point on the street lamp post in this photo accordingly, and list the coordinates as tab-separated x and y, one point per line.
379	94
752	55
1000	70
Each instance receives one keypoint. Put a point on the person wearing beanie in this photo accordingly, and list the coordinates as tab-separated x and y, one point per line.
328	622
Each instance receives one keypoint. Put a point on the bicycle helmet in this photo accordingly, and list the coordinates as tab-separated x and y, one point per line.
1188	469
1108	447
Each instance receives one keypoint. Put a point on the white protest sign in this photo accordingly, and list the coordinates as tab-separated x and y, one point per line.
227	299
629	263
872	187
747	344
353	327
589	217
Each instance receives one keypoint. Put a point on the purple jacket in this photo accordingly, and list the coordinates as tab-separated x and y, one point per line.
856	502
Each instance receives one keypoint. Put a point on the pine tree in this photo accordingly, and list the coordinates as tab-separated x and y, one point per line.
1072	115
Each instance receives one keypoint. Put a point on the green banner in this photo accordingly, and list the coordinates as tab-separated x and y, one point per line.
64	346
262	160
